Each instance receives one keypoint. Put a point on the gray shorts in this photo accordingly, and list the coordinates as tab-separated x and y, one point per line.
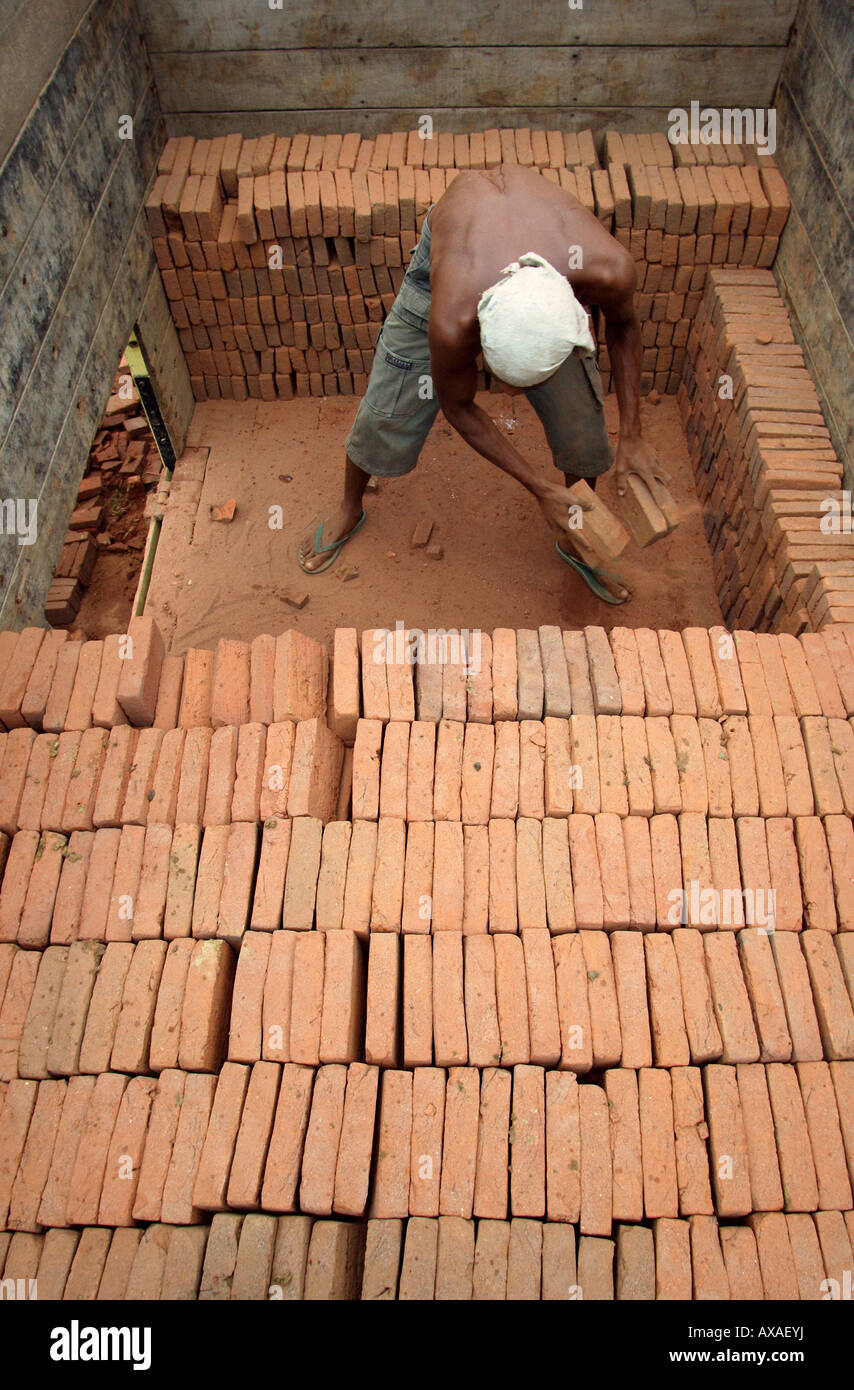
398	409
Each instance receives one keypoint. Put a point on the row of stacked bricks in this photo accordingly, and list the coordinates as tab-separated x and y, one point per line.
524	971
281	255
777	520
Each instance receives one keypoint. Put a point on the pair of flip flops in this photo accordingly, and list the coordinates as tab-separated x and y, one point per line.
592	576
333	550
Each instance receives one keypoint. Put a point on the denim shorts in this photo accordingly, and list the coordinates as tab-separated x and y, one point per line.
398	409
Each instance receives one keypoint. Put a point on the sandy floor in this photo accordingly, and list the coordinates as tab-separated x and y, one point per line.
499	567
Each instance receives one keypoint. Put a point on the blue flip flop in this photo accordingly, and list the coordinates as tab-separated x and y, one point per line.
333	550
591	576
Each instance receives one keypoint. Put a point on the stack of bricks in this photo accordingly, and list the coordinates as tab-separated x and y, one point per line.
680	209
281	256
776	518
523	972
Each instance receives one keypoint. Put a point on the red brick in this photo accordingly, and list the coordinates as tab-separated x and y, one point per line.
417	1001
166	1027
612	769
353	1166
343	1018
322	1141
476	772
375	697
586	879
820	1107
690	1135
816	874
602	1000
418	878
511	1000
530	883
840	846
700	1021
34	927
475	879
672	1259
284	1155
571	984
448	877
79	712
678	673
449	1022
595	1161
387	893
162	1128
180	887
277	1000
832	1002
270	884
604	680
657	1143
35	697
529	669
578	670
141	775
61	685
732	695
121	909
300	678
138	682
35	1034
230	683
344	700
307	999
195	711
393	770
727	1142
15	761
447	794
391	1177
315	771
806	1253
72	880
197	1101
121	1173
360	877
557	876
90	1163
207	1005
238	880
493	1131
800	1186
168	708
774	672
105	1007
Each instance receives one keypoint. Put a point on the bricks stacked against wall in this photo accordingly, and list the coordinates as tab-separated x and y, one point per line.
281	256
776	518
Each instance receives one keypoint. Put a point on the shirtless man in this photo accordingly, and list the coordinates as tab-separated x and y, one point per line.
426	356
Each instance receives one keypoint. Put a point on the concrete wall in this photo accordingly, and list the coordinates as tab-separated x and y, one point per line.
371	66
814	104
75	256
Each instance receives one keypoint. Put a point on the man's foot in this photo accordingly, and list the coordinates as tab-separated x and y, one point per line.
336	528
606	586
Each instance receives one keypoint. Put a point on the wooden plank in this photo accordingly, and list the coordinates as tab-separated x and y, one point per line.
65	397
32	41
371	121
166	363
45	140
812	191
824	107
30	577
831	20
29	296
542	76
822	333
232	25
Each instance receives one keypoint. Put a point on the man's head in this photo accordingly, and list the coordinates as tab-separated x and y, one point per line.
530	321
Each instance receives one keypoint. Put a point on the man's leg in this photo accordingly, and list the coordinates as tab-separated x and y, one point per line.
570	405
342	521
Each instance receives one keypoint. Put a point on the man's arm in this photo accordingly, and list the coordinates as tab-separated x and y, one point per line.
623	335
453	366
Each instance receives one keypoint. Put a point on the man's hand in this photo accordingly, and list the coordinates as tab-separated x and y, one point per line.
634	455
555	503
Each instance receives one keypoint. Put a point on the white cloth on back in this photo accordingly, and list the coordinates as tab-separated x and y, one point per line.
530	321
